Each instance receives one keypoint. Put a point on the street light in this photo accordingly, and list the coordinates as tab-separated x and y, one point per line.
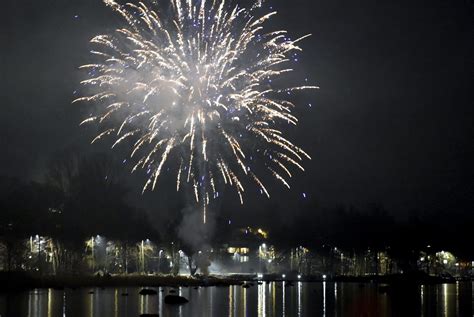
142	256
92	253
39	251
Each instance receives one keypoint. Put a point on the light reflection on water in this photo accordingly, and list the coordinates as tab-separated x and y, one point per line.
324	299
263	300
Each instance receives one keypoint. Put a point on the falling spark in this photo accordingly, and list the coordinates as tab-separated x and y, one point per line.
195	86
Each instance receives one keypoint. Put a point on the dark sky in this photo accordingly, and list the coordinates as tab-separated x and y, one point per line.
392	123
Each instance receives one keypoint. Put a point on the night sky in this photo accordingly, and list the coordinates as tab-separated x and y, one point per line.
392	123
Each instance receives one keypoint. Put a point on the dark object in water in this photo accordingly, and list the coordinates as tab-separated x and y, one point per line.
147	291
91	292
260	283
384	289
149	315
246	285
172	291
175	300
124	294
196	287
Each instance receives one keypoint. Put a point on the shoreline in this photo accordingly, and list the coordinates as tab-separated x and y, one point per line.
27	280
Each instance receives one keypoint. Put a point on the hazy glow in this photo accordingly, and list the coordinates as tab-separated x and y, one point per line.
192	91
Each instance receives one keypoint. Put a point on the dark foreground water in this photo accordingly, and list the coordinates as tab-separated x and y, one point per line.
268	299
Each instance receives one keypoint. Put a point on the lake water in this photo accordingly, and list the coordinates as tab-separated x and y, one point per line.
267	299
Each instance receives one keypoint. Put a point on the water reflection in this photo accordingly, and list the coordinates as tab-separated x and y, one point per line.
283	301
91	305
34	303
274	298
231	301
245	301
324	299
445	300
64	304
160	302
265	299
261	309
300	285
422	291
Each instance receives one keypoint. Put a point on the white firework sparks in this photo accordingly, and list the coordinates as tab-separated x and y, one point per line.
192	88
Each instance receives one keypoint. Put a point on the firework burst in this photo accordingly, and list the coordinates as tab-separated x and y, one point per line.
190	87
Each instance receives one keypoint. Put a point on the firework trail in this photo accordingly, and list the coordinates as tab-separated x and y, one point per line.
192	88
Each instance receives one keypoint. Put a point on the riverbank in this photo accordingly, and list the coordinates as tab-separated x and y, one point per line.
26	280
414	277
